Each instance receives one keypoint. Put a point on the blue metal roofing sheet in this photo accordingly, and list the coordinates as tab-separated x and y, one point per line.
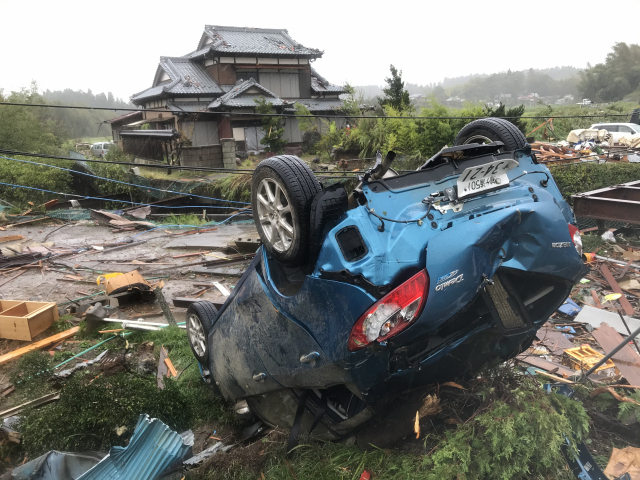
151	450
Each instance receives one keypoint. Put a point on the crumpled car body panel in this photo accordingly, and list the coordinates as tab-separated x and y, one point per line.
517	236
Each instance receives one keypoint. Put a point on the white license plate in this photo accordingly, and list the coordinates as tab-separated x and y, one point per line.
482	178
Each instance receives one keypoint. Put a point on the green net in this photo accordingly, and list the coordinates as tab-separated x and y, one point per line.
70	215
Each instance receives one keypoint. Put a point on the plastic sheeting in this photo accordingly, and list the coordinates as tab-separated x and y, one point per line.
580	135
55	465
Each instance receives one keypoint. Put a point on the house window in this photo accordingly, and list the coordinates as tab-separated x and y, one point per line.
247	74
284	85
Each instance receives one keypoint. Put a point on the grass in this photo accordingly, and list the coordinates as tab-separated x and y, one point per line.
162	173
93	406
184	219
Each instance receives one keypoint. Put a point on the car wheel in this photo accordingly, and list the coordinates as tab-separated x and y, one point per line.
487	130
282	190
200	317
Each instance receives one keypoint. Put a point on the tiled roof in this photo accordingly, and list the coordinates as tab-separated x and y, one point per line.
236	97
148	93
320	84
187	107
126	116
255	41
187	78
318	104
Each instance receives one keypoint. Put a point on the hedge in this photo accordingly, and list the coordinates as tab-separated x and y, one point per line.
575	179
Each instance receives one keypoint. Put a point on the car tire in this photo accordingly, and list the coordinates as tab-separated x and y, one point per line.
282	190
487	130
200	318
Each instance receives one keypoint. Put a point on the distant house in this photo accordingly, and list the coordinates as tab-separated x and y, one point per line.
454	102
208	95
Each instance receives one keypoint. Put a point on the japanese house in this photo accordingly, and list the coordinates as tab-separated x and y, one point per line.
208	95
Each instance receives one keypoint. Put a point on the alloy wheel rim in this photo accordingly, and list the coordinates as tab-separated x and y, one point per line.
196	335
481	139
275	214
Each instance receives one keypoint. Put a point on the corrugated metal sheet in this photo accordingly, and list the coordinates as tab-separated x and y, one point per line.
256	41
152	449
150	133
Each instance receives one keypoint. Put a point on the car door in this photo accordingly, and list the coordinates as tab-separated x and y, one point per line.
625	131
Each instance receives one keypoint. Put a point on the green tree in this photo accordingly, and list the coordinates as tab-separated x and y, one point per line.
617	77
395	95
273	127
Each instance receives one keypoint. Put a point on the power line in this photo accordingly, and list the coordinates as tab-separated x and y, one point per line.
124	183
177	167
246	209
292	115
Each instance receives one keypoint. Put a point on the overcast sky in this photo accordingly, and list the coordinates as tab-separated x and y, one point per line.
115	45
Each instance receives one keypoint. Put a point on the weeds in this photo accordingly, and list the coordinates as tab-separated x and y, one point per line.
236	187
92	407
185	219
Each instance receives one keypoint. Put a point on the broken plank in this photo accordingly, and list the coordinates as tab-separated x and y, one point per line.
162	368
626	359
38	402
12	278
542	373
170	366
11	238
38	345
628	309
145	315
596	299
546	365
190	254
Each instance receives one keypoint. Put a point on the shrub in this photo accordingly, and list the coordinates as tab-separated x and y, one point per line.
575	179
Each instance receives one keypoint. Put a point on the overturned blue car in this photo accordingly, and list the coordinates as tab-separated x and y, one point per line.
409	280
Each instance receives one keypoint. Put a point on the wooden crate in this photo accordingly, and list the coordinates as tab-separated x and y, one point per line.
584	357
24	320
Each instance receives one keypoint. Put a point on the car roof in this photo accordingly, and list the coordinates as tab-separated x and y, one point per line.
616	123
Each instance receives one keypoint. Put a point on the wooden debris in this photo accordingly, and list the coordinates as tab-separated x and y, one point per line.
170	366
38	345
596	298
615	395
627	360
163	370
191	254
12	278
11	238
628	309
546	365
552	377
38	402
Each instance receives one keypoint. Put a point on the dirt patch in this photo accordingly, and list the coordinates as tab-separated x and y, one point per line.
250	457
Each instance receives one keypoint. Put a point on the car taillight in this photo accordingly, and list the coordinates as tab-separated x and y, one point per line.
391	314
574	233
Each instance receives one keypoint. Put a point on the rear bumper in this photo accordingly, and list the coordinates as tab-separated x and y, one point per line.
464	343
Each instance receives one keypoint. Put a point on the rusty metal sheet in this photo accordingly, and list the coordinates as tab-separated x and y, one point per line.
617	203
627	360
